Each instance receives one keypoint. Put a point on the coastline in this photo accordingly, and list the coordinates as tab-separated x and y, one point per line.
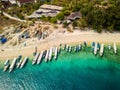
55	39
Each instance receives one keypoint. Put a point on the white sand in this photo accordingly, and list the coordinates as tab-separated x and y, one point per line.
55	39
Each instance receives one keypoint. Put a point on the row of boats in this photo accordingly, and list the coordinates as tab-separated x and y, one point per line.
47	54
52	52
97	47
17	62
69	48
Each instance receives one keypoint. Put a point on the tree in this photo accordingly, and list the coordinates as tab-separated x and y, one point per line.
60	16
65	24
82	22
110	28
74	23
66	12
53	20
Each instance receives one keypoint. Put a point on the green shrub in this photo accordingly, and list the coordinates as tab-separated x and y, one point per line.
53	20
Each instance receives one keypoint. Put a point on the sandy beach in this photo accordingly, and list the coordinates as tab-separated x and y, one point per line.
55	39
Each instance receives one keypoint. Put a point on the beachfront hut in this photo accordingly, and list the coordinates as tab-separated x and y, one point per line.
5	4
13	2
46	10
73	16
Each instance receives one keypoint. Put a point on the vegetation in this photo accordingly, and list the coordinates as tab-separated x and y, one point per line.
4	22
53	20
74	24
98	14
25	9
65	24
60	16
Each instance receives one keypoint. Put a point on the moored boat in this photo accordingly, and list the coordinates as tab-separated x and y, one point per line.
115	48
6	65
47	55
109	46
13	64
101	49
24	62
40	57
50	54
35	58
95	49
56	53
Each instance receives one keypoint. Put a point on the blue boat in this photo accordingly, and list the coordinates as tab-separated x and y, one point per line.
77	48
93	44
92	49
98	46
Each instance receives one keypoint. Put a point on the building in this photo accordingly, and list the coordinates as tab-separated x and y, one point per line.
5	4
13	2
73	16
51	7
46	10
20	2
8	3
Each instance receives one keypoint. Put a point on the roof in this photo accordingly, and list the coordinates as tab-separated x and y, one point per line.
26	1
43	10
4	0
74	16
45	6
12	1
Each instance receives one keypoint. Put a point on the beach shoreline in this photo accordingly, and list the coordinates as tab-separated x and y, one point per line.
55	39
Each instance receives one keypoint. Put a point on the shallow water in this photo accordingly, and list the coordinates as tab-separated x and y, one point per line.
71	71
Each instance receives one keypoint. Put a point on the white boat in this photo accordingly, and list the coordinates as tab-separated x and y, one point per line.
75	48
50	54
13	64
6	62
79	46
35	58
23	62
115	48
6	67
40	57
101	49
67	47
109	46
19	63
47	54
70	48
64	47
95	49
56	52
59	49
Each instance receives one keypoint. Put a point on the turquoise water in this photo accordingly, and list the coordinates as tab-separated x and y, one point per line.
71	71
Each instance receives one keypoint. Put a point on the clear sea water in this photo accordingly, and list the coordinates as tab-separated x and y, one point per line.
71	71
